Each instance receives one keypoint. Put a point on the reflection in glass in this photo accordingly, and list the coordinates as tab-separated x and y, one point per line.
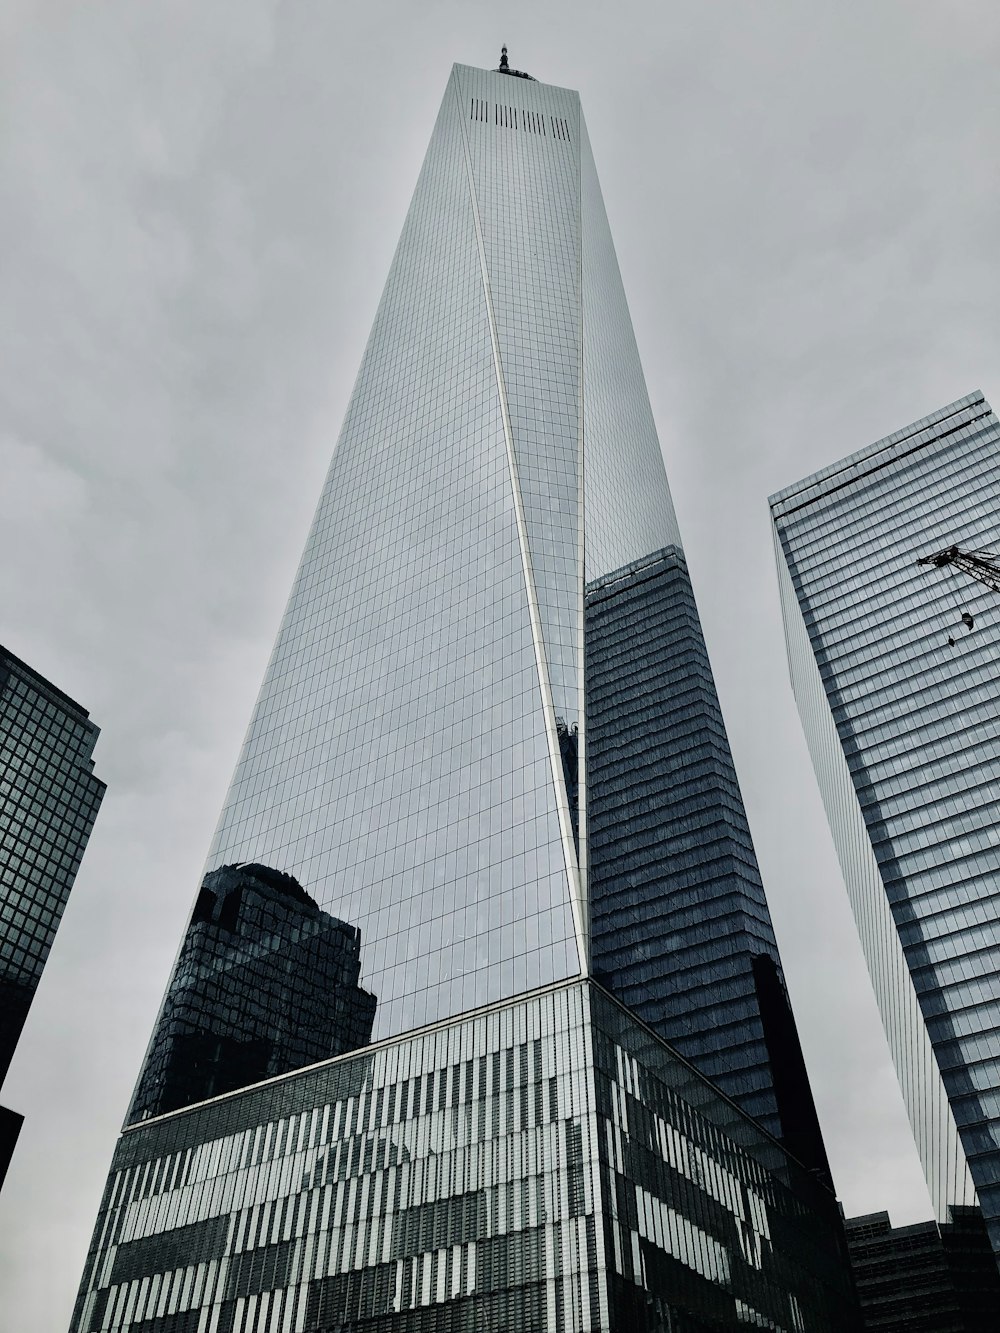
266	982
548	1166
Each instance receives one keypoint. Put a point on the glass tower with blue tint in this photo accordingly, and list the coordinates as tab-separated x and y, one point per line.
894	666
488	753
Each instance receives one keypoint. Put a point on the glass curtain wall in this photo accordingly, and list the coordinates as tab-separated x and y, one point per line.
906	660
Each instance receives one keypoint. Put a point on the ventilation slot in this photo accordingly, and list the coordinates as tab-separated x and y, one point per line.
507	117
512	118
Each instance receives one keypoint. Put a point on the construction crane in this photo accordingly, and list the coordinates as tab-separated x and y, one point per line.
983	566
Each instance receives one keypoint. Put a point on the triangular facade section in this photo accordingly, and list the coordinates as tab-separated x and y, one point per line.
399	763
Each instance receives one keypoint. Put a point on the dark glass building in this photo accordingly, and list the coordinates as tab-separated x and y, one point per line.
265	982
49	798
894	667
680	928
926	1278
489	740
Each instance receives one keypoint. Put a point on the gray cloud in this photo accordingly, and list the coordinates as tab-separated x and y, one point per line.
198	205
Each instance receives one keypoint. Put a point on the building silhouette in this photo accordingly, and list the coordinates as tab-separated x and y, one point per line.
440	755
925	1278
49	798
893	664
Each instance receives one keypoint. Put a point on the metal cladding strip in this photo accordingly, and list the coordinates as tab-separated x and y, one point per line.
582	786
548	708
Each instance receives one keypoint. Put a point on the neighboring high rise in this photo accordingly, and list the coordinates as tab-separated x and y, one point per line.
894	667
926	1278
488	739
49	798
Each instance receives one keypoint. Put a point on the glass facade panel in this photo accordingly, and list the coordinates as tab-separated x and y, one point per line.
526	183
265	983
399	762
49	799
549	1165
681	931
629	512
885	667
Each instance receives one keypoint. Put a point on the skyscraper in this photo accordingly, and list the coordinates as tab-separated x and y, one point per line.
893	665
464	752
49	798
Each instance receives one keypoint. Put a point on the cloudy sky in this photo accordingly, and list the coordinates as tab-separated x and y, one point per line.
198	205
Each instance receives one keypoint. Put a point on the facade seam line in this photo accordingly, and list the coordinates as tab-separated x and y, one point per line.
548	707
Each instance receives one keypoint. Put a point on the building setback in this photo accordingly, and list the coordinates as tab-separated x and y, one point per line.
442	759
894	667
49	798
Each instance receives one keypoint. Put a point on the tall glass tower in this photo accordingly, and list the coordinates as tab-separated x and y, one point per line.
894	667
488	754
49	799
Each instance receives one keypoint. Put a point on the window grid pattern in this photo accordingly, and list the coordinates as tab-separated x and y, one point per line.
678	908
398	762
49	798
629	512
265	983
528	194
548	1166
924	1095
916	721
925	1278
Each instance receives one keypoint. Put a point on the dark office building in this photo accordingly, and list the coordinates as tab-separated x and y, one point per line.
265	982
49	798
680	928
927	1278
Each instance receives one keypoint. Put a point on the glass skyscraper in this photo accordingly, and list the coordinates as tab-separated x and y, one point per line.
894	667
49	799
488	752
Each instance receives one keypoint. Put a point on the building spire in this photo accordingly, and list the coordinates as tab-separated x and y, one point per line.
504	67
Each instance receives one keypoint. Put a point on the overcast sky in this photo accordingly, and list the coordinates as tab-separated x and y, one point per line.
198	206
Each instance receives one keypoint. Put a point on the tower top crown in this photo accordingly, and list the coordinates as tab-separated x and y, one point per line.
504	67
